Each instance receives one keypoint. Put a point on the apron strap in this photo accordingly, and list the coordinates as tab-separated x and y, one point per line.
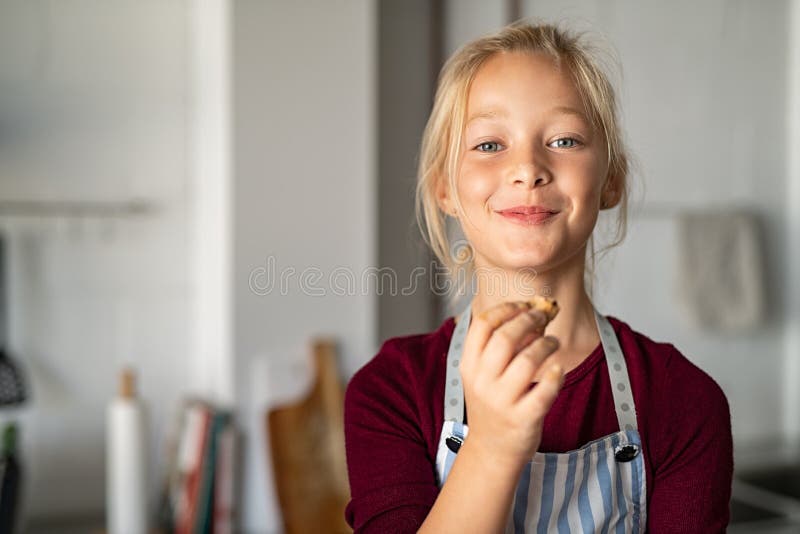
618	373
453	389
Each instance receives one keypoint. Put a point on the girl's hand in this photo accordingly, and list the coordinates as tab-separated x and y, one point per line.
503	351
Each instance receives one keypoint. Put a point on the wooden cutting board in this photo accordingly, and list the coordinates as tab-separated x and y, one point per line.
308	455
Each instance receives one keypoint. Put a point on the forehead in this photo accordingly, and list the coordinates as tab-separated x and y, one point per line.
522	82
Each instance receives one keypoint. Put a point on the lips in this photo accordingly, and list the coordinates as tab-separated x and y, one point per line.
527	210
528	215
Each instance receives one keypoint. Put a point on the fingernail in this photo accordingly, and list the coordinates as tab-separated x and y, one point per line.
539	319
550	342
556	372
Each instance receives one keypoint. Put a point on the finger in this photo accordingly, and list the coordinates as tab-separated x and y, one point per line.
546	305
517	377
507	340
538	401
483	325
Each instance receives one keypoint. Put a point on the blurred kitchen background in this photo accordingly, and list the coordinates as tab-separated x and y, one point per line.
174	174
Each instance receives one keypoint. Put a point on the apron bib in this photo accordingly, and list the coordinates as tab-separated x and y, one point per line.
599	487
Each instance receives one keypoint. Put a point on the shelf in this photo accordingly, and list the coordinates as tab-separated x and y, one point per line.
55	208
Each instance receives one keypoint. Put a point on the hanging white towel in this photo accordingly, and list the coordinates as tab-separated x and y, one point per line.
720	274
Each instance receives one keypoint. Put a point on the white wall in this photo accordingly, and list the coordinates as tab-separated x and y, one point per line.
93	107
211	176
791	393
465	20
304	194
254	138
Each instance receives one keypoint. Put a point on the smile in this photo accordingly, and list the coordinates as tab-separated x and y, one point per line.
529	219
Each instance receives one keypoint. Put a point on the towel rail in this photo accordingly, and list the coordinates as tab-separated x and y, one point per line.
668	211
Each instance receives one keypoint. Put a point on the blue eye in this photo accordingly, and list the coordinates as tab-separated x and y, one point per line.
488	146
566	142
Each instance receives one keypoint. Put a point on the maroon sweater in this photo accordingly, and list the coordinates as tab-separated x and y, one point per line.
394	413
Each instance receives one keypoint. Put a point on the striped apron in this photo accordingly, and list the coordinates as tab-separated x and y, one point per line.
599	487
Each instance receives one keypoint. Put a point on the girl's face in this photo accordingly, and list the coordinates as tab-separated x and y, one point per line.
527	145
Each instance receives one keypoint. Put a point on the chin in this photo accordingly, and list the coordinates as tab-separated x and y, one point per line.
528	262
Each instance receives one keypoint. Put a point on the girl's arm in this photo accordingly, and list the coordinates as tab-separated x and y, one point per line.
477	496
392	476
693	460
503	351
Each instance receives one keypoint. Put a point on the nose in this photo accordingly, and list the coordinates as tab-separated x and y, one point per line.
529	169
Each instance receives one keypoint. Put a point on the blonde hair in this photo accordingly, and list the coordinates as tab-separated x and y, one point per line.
441	140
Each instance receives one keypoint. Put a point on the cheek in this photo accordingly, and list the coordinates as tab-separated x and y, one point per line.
475	184
585	194
586	187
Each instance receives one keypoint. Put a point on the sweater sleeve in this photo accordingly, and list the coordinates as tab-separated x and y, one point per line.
693	465
392	478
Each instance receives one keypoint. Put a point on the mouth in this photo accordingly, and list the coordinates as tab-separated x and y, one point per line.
529	215
527	210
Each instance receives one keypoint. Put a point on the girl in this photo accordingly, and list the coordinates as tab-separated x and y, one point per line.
487	424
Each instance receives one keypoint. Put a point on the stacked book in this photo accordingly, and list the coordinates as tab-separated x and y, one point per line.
199	488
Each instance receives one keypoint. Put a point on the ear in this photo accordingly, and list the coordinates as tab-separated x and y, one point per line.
612	192
443	199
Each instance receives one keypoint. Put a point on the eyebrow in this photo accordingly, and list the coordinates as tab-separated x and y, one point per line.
566	110
562	110
488	114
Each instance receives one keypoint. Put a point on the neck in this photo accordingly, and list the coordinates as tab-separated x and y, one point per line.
574	326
